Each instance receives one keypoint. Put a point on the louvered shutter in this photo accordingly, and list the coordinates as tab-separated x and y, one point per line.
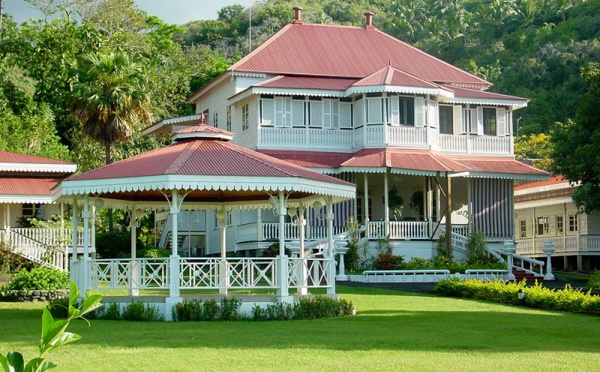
419	112
480	121
316	114
457	121
501	121
298	113
395	110
346	115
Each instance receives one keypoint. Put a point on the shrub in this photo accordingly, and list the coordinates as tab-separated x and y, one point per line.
140	312
594	282
116	244
537	296
196	310
230	309
321	307
279	311
41	278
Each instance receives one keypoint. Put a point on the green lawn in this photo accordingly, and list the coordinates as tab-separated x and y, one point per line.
392	331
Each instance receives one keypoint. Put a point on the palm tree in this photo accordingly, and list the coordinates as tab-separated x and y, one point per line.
110	98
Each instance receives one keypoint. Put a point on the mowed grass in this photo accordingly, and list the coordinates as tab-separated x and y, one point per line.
391	331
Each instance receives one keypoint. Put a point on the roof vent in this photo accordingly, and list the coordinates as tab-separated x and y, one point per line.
297	14
369	20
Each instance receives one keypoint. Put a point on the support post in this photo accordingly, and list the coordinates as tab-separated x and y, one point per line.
76	274
86	215
330	254
548	250
448	216
174	292
283	287
386	202
302	289
366	204
133	265
223	269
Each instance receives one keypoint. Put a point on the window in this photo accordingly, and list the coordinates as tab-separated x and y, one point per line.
228	118
543	225
315	113
245	117
30	210
375	111
573	223
446	119
402	110
489	121
470	120
523	228
216	120
560	227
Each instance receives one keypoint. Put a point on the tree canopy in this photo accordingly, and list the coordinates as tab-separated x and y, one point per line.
577	144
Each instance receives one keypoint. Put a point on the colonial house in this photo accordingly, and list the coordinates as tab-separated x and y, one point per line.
545	211
25	192
427	145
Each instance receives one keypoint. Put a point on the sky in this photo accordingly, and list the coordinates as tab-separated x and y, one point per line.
170	11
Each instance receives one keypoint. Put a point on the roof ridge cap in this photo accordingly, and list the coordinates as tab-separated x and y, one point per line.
182	157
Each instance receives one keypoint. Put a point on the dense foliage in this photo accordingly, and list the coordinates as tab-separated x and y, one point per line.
41	278
577	144
538	296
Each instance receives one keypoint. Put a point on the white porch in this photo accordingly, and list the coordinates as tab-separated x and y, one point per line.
380	135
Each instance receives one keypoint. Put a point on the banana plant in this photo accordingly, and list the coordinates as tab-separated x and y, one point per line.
54	334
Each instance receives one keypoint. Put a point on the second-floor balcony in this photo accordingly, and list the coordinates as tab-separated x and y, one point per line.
380	135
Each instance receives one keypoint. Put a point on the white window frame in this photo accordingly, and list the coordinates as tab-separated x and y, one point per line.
245	116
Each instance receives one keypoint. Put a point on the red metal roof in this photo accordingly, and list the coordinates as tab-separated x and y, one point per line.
417	160
345	51
27	185
310	159
474	93
11	157
556	180
497	165
420	160
203	156
306	82
393	76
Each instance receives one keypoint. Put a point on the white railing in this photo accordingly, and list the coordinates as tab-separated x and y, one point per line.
270	231
400	136
311	272
309	138
398	230
461	229
52	256
405	276
205	273
142	273
562	244
486	274
475	144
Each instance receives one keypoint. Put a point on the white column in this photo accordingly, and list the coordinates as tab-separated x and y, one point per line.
386	203
303	264
283	287
259	228
330	254
75	274
366	200
86	215
133	271
223	269
174	259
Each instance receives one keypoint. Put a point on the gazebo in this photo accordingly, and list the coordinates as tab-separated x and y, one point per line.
203	170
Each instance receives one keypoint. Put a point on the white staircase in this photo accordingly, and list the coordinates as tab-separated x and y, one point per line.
47	252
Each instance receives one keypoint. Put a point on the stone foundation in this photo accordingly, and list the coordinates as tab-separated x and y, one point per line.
33	296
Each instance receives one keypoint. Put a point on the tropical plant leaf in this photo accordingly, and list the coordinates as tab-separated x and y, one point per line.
73	294
91	303
38	365
15	361
4	363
